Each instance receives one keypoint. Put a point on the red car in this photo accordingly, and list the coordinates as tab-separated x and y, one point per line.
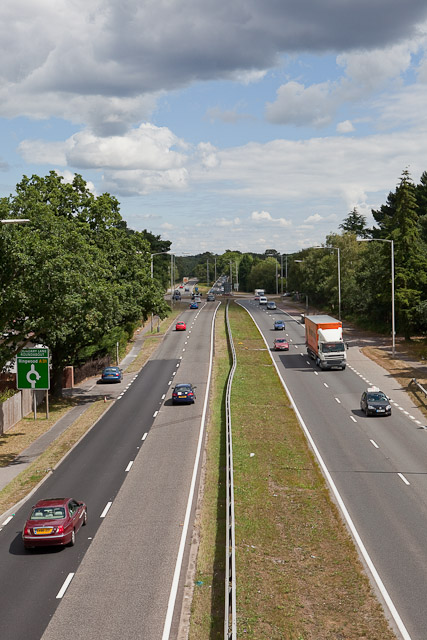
54	522
280	344
180	326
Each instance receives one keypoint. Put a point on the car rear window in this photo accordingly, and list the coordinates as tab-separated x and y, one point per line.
48	513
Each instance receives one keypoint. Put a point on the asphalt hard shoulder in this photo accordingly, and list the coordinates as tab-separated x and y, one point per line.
89	390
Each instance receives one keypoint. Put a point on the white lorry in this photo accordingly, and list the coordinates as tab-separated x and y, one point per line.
259	292
324	341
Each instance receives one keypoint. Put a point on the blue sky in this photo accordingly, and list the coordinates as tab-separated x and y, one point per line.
218	124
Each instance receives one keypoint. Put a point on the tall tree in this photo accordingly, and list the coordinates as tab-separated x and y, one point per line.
355	223
72	274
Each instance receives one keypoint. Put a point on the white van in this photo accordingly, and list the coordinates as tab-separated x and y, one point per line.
263	300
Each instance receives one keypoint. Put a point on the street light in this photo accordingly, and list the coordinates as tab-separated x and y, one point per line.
393	341
339	276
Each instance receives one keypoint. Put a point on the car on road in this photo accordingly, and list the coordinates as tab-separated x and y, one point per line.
194	305
53	522
375	403
111	374
183	393
187	289
280	344
180	326
271	306
262	300
210	297
279	325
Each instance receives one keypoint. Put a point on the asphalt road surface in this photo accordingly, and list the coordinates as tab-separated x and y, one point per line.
137	470
378	464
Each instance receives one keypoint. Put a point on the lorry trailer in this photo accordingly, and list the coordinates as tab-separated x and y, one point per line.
324	341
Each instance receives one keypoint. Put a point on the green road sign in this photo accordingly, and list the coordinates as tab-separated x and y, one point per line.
33	369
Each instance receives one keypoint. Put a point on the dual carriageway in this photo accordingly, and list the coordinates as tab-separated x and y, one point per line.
138	470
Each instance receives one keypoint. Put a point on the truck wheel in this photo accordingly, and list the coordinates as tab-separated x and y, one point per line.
318	362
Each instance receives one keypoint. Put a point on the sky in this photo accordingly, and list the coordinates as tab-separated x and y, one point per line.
218	124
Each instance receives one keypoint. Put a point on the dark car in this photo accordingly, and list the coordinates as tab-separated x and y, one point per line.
279	325
54	521
194	305
375	403
280	344
183	392
210	297
271	306
111	374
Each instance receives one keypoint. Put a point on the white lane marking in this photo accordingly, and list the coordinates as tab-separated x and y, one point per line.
308	361
163	396
326	385
338	400
296	346
106	510
174	373
184	349
144	436
170	382
128	468
412	417
353	418
186	342
316	373
417	421
155	414
406	412
402	477
376	576
7	521
64	587
177	364
182	544
400	408
375	444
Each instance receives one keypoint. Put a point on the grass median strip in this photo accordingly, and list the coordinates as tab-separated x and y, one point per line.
299	576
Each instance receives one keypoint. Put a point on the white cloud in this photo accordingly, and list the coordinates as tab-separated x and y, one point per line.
345	127
300	105
264	216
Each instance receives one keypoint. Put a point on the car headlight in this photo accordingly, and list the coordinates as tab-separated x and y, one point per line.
388	407
371	407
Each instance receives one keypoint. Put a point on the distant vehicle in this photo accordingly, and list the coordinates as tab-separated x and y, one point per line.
111	374
197	298
180	326
54	521
194	305
279	325
280	344
177	295
271	306
287	294
262	300
183	393
181	286
210	297
259	292
375	403
187	289
325	345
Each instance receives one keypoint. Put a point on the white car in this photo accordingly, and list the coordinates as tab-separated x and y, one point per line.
263	300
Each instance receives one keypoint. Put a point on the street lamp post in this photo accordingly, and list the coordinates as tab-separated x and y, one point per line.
393	332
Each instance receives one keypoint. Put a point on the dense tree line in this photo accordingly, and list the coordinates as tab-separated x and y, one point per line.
364	260
74	278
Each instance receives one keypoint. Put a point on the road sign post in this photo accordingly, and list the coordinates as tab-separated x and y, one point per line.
32	366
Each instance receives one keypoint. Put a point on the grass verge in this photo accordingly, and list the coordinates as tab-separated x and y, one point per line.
20	486
207	611
299	576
